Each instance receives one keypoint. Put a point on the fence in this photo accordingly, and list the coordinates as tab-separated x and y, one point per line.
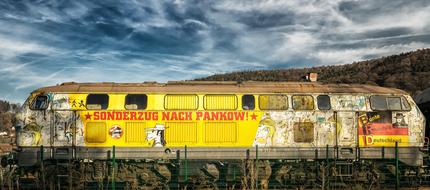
254	168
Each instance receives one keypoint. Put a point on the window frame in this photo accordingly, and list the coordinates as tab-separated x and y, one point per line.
101	107
284	95
292	102
34	101
254	102
145	106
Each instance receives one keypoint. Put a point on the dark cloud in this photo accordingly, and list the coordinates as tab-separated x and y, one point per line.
196	10
366	11
385	33
256	20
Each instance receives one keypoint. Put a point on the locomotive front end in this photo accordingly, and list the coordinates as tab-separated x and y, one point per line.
32	128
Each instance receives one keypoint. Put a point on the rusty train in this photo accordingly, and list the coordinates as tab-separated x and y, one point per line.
220	134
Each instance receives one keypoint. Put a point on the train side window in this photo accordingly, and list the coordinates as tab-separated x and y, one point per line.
378	103
136	101
97	101
273	102
220	102
303	102
248	102
323	102
394	103
40	103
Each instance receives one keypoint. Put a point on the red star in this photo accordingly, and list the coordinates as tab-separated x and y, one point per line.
88	116
253	116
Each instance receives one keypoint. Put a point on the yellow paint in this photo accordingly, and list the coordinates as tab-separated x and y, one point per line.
194	133
77	101
265	132
384	140
178	133
273	102
220	102
181	102
221	132
200	132
199	120
94	132
135	132
34	129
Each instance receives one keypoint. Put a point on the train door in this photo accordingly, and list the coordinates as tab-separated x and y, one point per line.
274	128
346	124
63	130
346	107
306	129
63	127
325	122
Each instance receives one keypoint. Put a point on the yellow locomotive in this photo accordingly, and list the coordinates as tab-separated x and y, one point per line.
220	121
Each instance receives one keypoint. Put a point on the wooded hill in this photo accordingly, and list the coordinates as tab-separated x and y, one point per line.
407	71
7	114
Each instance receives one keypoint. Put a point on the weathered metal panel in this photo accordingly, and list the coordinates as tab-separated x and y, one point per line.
181	133
181	102
220	102
220	132
95	132
135	132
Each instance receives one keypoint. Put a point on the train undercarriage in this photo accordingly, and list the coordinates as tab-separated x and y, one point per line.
190	169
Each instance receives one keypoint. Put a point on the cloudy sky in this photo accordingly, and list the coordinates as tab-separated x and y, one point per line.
48	42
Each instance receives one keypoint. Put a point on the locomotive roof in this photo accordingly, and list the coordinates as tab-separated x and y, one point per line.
217	87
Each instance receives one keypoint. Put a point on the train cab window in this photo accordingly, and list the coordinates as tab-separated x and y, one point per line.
273	102
136	101
220	102
97	101
394	103
181	102
248	102
378	103
323	102
303	102
40	103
